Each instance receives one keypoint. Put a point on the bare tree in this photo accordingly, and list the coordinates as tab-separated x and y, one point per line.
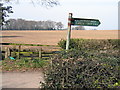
21	24
4	13
49	3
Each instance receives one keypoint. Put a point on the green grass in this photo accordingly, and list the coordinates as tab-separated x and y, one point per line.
26	44
26	61
23	64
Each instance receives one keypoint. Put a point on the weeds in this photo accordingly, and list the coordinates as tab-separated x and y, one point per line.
23	64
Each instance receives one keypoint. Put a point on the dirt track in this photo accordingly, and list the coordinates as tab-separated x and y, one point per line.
53	37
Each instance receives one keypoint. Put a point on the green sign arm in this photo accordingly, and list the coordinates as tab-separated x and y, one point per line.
85	22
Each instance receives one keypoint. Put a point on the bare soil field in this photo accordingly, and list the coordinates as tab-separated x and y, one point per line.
53	37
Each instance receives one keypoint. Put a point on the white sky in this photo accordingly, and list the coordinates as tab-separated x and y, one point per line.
104	10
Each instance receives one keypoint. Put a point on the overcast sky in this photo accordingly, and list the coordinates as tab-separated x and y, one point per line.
104	10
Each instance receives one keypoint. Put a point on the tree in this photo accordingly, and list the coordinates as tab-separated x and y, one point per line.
22	24
4	10
49	3
59	25
4	13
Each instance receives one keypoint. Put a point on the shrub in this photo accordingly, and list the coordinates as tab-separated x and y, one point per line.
73	43
82	69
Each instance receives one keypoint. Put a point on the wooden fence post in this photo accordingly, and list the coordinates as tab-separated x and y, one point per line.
31	55
9	53
6	52
13	53
19	49
40	53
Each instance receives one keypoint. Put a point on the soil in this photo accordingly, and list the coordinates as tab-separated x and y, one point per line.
53	37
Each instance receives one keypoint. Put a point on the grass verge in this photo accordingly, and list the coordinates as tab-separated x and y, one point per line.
23	64
26	44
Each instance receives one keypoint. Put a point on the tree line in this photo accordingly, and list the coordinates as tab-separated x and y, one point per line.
21	24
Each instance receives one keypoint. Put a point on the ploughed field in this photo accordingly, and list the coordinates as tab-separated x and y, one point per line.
53	37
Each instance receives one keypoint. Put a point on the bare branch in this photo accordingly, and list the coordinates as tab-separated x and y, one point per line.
47	3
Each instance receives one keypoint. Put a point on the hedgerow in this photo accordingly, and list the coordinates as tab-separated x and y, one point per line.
91	44
83	69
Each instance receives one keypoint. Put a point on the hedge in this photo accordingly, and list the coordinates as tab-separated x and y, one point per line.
83	69
91	44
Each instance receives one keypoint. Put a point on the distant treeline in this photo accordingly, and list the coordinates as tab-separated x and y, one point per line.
21	24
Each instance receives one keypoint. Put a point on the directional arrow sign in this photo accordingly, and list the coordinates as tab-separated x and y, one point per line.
85	22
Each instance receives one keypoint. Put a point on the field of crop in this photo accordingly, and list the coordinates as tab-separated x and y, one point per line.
53	37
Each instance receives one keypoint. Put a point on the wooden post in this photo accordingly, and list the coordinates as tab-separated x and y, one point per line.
9	53
6	52
13	53
69	31
40	53
19	47
31	55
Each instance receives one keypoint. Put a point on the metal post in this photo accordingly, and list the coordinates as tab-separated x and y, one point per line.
69	31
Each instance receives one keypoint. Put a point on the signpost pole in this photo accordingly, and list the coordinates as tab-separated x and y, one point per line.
69	31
